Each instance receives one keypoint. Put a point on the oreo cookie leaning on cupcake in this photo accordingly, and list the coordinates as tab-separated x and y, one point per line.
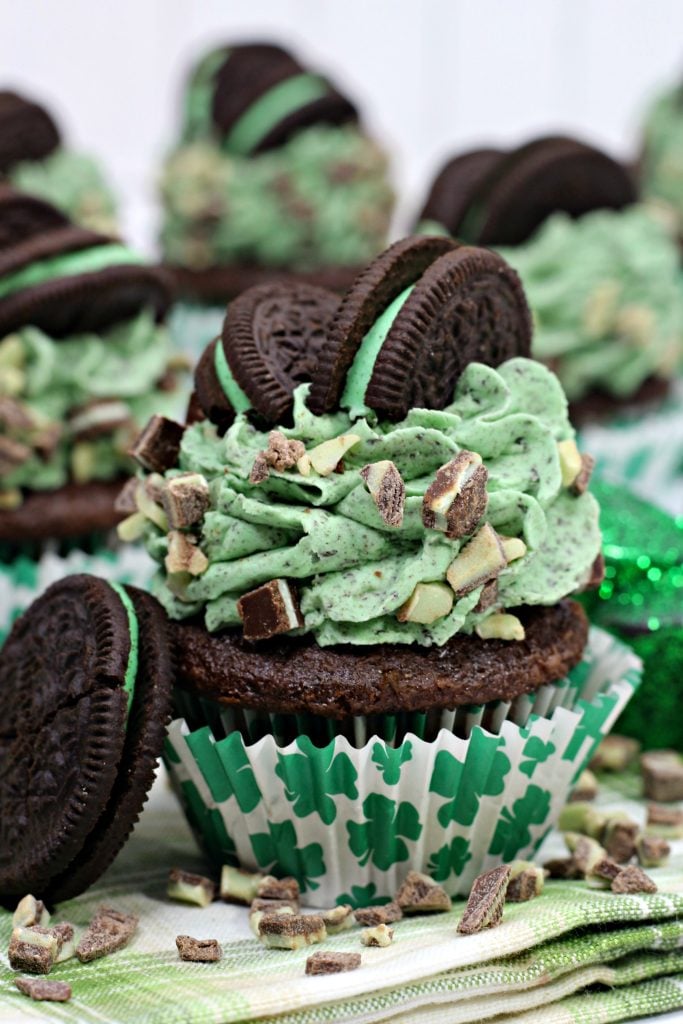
367	542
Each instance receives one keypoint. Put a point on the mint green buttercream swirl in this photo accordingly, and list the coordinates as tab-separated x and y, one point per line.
84	261
605	292
353	571
74	183
134	635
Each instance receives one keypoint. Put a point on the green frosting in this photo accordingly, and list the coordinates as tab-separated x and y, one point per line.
269	109
605	291
74	183
325	532
198	99
49	379
321	199
360	371
84	261
134	634
661	167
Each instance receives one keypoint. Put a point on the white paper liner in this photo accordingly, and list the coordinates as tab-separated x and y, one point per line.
350	820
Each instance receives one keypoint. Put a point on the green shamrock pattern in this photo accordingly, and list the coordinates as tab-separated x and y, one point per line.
349	822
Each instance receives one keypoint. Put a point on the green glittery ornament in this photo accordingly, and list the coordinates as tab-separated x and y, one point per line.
641	601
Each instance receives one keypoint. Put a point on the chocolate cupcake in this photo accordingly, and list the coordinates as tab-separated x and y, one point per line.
273	177
601	272
368	585
34	158
84	360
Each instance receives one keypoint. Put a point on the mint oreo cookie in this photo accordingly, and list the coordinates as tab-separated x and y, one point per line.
271	339
84	700
27	132
413	321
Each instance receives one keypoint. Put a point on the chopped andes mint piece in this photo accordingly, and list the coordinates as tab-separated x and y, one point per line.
387	490
562	867
291	931
256	916
666	822
513	547
386	914
30	911
149	506
281	453
619	837
125	502
66	945
488	597
485	902
585	789
480	560
98	418
33	950
615	753
570	461
587	852
662	772
652	852
338	919
238	885
14	415
190	888
427	603
526	882
420	894
456	500
270	888
603	873
43	990
633	879
108	931
582	817
12	454
381	935
304	465
500	626
185	499
332	963
325	457
198	951
184	555
260	470
582	479
158	445
132	527
270	609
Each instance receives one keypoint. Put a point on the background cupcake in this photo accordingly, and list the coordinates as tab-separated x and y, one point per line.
33	158
84	360
379	655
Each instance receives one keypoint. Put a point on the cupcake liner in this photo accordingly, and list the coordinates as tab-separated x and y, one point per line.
349	819
24	579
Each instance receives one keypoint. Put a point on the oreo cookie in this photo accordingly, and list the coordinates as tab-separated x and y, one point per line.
412	322
84	699
291	675
488	199
260	95
27	131
272	337
65	279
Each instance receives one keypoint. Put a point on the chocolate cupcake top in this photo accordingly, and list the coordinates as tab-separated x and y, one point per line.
360	530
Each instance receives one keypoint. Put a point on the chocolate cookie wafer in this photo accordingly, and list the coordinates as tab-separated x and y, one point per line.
412	322
27	132
455	187
85	678
271	339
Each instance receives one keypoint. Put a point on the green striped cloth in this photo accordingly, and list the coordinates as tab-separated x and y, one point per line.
570	940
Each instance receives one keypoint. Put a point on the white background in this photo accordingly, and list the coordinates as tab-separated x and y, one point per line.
431	76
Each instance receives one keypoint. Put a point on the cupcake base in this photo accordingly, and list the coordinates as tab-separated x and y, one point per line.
350	817
66	514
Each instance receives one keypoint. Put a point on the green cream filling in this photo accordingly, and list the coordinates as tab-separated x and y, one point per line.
271	108
353	571
86	261
134	634
199	95
359	375
233	392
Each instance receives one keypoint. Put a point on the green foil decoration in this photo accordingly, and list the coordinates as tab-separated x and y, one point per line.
641	601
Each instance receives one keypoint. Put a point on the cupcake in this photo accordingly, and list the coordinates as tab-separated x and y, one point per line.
608	320
34	159
369	547
272	176
84	361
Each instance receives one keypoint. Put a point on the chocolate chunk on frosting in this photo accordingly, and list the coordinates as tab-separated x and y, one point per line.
456	501
269	610
158	445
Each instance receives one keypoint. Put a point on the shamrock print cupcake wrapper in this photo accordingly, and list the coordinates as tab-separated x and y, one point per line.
24	579
349	820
